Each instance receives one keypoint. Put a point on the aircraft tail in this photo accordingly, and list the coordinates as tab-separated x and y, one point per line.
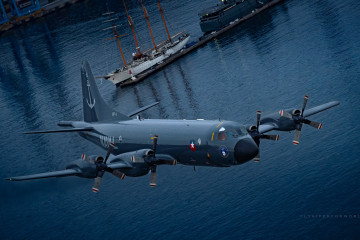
94	107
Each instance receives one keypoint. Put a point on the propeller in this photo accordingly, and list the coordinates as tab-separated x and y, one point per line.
153	168
152	161
254	132
299	119
101	167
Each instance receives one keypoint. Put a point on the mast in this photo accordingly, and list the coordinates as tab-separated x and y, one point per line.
132	28
162	14
118	42
116	36
147	19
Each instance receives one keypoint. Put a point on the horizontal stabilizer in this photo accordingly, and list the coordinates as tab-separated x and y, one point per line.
320	108
63	173
142	109
63	130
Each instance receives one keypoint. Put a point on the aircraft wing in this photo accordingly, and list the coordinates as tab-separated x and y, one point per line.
63	173
63	130
320	108
275	122
142	109
263	128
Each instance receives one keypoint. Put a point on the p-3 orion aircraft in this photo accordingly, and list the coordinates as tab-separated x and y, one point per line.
136	146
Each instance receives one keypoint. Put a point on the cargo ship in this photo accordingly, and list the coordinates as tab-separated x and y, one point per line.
227	11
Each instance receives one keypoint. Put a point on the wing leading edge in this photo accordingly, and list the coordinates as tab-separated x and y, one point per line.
80	172
63	173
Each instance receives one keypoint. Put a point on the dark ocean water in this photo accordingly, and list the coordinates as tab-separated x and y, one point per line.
310	191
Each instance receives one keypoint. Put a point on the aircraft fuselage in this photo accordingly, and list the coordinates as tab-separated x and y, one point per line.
190	142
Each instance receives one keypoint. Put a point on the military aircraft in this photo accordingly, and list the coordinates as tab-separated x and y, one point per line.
136	146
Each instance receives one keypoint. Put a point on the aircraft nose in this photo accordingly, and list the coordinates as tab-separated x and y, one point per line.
245	150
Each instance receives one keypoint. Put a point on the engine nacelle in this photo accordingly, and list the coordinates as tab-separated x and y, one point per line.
137	159
281	123
251	128
296	112
87	170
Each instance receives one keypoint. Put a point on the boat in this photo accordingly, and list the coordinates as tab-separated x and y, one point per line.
227	12
143	61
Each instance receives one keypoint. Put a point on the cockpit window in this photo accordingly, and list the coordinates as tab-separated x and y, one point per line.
235	133
231	132
242	131
221	134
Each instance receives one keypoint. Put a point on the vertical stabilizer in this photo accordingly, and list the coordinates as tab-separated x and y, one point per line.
94	107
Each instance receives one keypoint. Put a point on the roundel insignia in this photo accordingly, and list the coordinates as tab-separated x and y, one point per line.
224	152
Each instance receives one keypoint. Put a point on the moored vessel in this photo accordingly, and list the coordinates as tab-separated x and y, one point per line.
216	17
143	61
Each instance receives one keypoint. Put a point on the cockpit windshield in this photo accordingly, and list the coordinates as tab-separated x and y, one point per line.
231	132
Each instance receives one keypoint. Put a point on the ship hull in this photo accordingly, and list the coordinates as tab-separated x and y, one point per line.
135	68
234	11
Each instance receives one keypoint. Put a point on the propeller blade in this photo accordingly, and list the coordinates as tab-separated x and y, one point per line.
155	138
270	137
296	139
258	116
153	176
257	157
118	173
304	104
87	159
110	149
97	183
313	124
285	114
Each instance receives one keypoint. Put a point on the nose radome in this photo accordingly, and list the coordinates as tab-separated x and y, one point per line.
245	150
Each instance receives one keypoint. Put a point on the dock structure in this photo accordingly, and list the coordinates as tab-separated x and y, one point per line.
3	16
27	11
201	41
22	9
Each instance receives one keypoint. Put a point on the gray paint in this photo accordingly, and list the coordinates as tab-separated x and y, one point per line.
189	142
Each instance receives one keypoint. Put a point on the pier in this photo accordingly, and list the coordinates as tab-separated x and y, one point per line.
202	41
14	13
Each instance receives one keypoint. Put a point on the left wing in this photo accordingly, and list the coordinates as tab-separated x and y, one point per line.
287	120
63	173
